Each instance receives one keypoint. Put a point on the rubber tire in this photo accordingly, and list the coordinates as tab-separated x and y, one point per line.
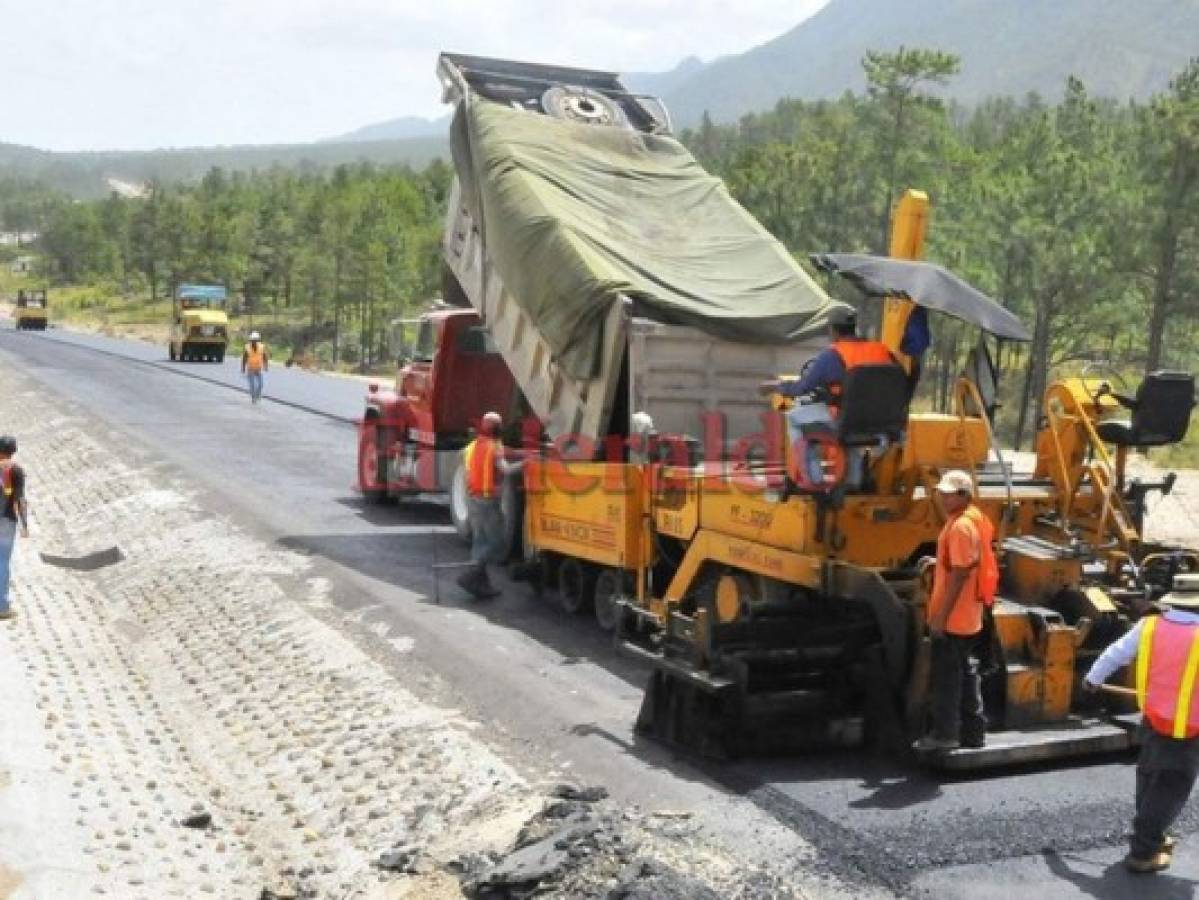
512	504
609	584
459	509
220	356
576	585
171	354
368	446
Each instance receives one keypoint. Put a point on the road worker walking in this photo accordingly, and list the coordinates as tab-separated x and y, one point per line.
1165	649
254	362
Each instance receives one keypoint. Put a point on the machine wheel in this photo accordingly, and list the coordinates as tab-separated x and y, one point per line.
459	509
220	355
512	505
171	354
371	464
576	585
609	586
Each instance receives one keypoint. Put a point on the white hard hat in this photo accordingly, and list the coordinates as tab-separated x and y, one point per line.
254	336
956	481
1184	592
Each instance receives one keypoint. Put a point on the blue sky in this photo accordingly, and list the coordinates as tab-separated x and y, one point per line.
133	74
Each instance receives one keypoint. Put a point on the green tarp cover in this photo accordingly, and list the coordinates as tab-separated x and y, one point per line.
576	215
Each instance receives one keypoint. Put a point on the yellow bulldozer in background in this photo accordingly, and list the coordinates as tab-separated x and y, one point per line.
778	617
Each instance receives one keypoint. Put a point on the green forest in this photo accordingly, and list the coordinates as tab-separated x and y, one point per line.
1081	216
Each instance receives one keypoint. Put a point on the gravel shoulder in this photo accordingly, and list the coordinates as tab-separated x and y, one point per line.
186	721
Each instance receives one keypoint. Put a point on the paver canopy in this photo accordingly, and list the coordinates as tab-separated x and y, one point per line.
575	216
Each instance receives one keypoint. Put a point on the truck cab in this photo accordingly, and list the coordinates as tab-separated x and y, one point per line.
31	309
412	434
199	323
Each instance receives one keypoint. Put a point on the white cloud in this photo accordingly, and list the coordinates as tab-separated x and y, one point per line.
140	73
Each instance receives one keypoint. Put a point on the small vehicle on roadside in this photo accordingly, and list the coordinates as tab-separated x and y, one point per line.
31	312
199	324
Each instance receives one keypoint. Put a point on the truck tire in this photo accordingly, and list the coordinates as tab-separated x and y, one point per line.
459	510
371	464
583	105
609	586
576	585
512	504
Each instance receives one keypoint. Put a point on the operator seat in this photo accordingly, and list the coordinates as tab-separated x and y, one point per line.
1161	412
874	405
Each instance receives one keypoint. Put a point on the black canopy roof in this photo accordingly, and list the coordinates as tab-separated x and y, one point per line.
925	284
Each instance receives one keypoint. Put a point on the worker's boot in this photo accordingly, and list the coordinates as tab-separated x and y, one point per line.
469	581
486	589
1147	866
930	744
476	583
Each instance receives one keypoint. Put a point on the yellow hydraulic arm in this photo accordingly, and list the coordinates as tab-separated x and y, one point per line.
908	229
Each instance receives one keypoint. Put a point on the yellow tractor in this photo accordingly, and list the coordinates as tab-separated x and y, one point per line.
199	323
31	312
779	614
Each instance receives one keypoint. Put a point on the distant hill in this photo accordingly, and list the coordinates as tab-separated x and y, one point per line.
91	174
1119	49
661	83
401	129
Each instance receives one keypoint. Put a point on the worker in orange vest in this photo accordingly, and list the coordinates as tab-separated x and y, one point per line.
486	469
818	391
1165	649
964	582
254	362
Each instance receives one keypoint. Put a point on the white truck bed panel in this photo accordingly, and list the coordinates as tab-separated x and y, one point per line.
678	374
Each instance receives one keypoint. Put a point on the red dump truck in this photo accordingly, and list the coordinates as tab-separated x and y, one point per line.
593	270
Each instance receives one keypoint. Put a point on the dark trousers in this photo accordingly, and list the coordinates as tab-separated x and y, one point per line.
1166	774
956	697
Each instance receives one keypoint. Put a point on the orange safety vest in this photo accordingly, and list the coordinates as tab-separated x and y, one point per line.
255	358
965	616
480	467
1167	666
858	353
988	565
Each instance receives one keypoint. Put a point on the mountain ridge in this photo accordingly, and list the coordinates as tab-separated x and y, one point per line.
1011	48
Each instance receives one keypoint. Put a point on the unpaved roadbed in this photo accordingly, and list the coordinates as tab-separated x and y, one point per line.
189	681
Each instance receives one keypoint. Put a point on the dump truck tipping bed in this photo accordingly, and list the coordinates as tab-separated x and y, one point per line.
577	223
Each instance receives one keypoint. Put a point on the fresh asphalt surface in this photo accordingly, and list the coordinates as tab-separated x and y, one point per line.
551	687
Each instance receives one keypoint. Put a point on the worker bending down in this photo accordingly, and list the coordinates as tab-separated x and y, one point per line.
821	386
486	469
1166	651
